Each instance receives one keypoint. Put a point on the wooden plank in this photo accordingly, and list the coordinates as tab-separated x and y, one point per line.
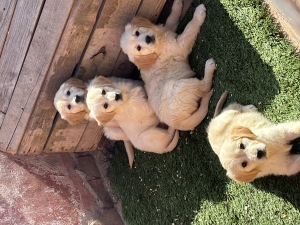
6	12
150	10
15	48
2	115
64	139
75	35
104	46
90	138
49	29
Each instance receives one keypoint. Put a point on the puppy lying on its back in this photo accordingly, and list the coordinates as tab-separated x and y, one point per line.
132	113
70	102
178	98
249	146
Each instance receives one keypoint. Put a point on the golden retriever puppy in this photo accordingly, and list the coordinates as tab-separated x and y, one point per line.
70	102
125	102
179	99
249	146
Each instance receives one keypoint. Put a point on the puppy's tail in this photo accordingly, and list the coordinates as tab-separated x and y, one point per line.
220	103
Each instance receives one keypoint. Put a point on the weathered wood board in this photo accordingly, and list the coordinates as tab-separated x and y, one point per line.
104	47
14	50
75	35
6	12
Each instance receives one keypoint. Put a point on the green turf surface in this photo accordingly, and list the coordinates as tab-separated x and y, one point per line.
188	185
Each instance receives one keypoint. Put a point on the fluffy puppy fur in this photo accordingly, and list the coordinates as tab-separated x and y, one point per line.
249	146
132	113
162	57
70	102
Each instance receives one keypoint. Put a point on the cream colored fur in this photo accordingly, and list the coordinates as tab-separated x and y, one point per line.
162	57
69	101
75	111
132	113
249	146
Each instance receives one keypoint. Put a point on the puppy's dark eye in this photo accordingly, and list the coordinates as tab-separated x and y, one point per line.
68	92
242	146
139	48
105	105
69	106
103	92
137	33
244	164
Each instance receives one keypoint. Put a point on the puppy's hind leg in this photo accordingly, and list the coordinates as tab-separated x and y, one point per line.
196	118
116	133
173	19
175	136
158	140
206	82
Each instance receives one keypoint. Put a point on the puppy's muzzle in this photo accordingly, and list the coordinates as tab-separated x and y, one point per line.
150	39
260	154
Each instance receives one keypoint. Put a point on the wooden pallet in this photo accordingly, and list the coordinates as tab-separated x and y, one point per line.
42	44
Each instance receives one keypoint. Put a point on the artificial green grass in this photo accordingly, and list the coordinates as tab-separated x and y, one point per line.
188	185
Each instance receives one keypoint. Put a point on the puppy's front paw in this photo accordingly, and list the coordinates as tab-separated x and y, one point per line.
200	13
177	6
249	108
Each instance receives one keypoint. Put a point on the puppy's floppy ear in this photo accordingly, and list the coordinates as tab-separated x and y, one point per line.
105	117
242	132
245	177
76	83
141	22
74	118
145	61
102	81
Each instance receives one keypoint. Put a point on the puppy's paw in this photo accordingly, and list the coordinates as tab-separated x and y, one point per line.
249	108
210	66
200	13
177	7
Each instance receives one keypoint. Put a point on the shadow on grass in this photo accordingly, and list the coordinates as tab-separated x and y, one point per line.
169	188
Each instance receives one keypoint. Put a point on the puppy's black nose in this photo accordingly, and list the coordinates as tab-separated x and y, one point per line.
150	39
260	154
118	97
77	99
